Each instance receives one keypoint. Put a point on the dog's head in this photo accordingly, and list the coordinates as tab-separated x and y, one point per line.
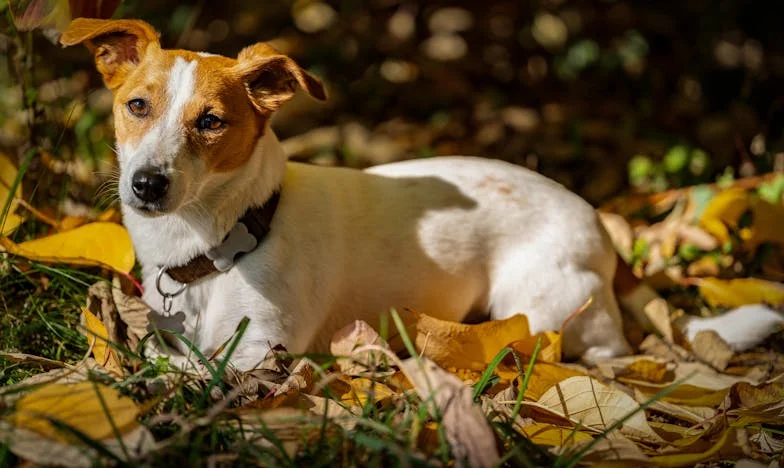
180	116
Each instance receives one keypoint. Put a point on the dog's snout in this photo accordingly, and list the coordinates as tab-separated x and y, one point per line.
149	184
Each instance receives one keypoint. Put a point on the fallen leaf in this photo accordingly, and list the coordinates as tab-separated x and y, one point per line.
363	390
658	313
93	409
614	449
460	345
467	430
98	337
352	336
29	359
708	346
543	376
725	209
550	350
596	407
125	317
555	436
7	176
726	444
738	292
620	232
101	244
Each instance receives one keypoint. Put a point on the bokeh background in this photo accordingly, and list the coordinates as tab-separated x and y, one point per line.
602	96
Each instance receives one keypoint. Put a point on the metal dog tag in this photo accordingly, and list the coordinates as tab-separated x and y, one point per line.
239	240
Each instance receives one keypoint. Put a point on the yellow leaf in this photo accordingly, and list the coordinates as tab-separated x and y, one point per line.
550	348
596	407
543	376
723	444
94	410
7	177
103	244
460	345
766	225
548	434
738	292
648	370
362	389
98	336
725	209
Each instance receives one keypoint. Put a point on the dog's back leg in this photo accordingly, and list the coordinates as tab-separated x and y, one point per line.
550	292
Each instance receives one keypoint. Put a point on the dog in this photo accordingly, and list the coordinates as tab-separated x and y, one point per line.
224	227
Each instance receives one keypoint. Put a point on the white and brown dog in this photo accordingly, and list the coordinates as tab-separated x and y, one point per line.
225	228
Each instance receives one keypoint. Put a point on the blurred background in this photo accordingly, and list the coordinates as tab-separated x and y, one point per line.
603	96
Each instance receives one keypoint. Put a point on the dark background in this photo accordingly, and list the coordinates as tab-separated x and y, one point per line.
687	91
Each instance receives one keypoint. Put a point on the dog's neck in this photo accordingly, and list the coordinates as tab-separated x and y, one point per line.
201	224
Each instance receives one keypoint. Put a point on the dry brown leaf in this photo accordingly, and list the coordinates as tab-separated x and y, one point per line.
613	450
467	430
98	337
29	359
654	346
460	345
658	313
42	451
596	406
620	232
301	378
352	336
708	346
125	317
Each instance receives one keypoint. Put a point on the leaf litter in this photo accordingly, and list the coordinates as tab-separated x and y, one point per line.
472	395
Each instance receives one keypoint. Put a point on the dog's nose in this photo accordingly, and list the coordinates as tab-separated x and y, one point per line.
150	185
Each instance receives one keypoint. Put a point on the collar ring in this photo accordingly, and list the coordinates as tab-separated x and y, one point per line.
168	297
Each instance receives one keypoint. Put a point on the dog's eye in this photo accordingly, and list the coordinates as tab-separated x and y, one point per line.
209	122
138	107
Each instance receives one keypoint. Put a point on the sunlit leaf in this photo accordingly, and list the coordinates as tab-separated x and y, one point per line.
98	337
7	176
95	410
100	243
738	292
363	390
548	434
460	345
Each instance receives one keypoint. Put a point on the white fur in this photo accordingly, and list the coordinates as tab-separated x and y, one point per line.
449	237
161	146
742	328
455	238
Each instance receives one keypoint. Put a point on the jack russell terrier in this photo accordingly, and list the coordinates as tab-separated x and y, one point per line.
225	228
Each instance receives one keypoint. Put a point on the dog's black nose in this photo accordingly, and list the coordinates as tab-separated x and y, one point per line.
149	184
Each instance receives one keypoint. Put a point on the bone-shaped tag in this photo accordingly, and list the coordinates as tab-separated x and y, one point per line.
237	241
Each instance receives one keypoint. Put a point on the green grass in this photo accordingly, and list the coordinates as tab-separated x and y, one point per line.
41	307
39	314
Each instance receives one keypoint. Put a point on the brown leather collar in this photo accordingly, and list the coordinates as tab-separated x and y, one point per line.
254	223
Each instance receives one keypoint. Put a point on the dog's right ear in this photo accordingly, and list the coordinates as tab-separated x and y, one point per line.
118	45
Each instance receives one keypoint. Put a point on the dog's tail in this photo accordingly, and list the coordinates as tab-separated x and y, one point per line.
742	328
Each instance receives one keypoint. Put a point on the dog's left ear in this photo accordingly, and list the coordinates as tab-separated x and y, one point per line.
272	78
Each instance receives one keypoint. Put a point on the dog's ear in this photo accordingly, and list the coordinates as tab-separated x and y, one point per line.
118	45
272	78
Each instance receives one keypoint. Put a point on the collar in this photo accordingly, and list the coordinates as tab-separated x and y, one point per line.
244	237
